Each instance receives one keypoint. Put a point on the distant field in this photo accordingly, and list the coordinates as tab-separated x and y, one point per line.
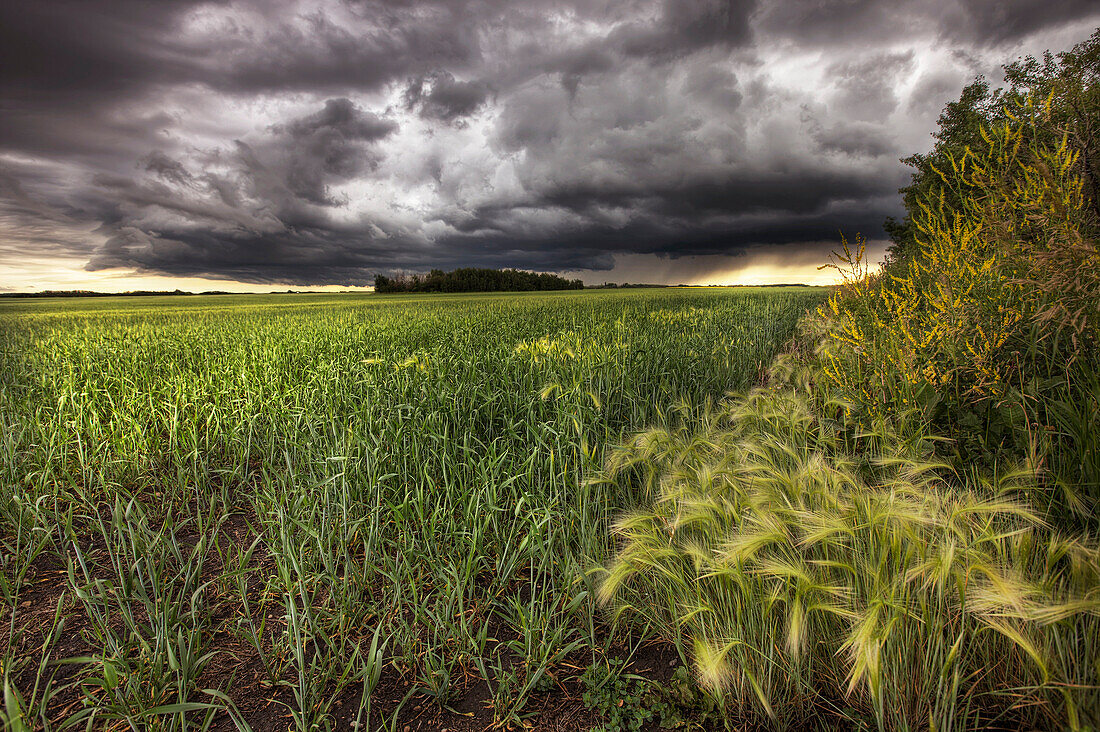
271	503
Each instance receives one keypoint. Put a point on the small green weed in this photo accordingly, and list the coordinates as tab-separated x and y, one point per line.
630	702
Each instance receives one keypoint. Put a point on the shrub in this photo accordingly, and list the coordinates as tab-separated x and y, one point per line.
992	329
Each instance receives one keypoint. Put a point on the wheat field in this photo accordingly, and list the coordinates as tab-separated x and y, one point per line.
322	511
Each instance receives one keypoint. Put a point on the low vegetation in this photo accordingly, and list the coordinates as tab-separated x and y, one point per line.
306	510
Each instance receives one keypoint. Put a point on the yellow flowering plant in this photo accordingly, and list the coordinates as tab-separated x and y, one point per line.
1000	303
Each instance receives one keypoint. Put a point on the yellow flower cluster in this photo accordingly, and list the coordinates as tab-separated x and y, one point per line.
955	317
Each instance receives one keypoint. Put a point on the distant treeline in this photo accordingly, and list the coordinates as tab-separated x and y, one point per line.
474	280
624	285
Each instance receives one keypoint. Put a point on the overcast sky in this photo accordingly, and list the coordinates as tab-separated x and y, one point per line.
316	142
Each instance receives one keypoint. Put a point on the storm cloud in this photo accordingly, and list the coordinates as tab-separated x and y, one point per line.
320	141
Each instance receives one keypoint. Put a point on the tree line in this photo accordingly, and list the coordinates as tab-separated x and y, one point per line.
474	280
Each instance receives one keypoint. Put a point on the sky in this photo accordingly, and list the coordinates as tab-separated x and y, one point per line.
252	145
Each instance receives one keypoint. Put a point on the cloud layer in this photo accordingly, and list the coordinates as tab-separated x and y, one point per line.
321	141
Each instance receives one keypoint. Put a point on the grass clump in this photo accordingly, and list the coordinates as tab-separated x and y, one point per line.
807	571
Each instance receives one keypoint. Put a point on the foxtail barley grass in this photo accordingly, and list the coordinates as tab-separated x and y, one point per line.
803	575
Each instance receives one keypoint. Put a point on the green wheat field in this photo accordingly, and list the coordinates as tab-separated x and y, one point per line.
310	511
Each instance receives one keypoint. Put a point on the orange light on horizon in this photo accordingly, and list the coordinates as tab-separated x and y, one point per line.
37	276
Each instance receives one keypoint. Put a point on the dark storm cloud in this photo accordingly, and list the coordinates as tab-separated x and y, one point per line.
87	47
688	25
67	66
320	256
867	85
320	141
339	118
269	190
985	22
997	21
327	147
317	51
167	169
737	194
854	139
440	96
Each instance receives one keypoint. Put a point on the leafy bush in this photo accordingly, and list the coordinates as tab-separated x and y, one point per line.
992	329
1068	80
